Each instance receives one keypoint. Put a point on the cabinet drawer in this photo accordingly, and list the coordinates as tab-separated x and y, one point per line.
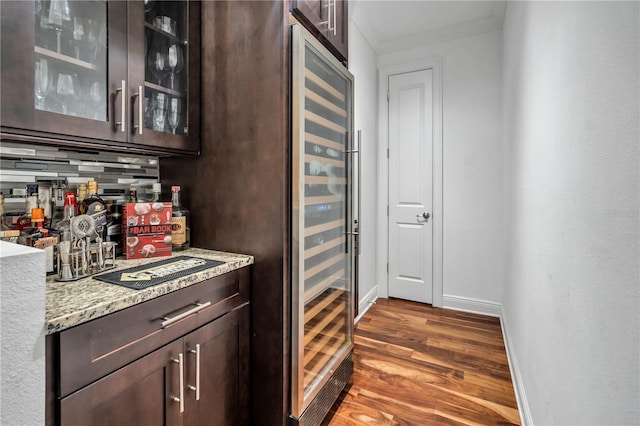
99	347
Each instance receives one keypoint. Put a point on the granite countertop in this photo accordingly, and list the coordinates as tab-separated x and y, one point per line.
75	302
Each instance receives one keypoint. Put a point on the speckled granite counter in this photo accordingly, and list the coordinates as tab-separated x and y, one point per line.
72	303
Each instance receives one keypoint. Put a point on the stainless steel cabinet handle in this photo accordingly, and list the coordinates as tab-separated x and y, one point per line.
199	306
122	90
425	216
196	388
140	97
180	399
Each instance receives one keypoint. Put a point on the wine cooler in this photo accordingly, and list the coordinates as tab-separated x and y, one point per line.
323	229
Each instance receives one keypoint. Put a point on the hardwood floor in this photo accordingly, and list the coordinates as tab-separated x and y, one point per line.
419	365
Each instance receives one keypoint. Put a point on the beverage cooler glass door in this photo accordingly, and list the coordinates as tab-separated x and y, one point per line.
322	246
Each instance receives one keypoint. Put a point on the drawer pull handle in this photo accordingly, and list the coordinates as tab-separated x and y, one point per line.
196	388
199	306
180	399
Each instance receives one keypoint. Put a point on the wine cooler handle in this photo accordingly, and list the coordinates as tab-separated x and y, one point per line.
335	17
180	398
123	104
140	98
196	388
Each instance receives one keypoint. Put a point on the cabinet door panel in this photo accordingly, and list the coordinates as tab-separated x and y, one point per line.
224	392
137	394
54	68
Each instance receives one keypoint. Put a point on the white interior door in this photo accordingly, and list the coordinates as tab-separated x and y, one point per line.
411	186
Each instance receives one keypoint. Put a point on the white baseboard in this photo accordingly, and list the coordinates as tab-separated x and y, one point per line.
516	377
366	302
495	309
468	304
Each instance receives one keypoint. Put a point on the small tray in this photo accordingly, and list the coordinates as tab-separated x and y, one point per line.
150	274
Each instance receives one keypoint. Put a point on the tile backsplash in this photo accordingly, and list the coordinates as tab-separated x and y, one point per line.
115	172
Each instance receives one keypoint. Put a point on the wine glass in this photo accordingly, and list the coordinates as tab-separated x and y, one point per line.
157	61
159	112
68	89
42	82
174	57
174	114
78	37
59	17
96	96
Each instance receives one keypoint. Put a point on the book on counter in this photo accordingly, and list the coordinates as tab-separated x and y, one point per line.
147	230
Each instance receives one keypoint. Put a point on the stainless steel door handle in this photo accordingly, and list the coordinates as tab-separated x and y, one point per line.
425	216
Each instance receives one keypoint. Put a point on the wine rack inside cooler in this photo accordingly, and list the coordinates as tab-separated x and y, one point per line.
322	312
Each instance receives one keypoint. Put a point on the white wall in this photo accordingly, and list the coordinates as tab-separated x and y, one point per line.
571	307
362	64
472	150
22	359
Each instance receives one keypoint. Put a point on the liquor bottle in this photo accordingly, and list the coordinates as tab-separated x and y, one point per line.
95	207
114	228
40	237
156	190
30	203
133	195
58	203
180	222
6	231
82	194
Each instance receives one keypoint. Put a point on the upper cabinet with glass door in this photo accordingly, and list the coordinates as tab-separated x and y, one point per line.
80	73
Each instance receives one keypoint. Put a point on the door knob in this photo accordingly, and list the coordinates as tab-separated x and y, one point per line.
424	215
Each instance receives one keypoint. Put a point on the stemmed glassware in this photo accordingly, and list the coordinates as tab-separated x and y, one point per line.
59	17
175	60
174	114
42	82
96	101
159	112
68	89
157	61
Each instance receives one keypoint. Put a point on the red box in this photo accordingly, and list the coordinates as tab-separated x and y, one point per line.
147	230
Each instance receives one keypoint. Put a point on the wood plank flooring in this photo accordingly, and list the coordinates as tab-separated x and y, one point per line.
419	365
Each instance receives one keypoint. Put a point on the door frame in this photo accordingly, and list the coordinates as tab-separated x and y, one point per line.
435	64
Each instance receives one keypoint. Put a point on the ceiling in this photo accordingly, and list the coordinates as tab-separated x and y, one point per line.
392	25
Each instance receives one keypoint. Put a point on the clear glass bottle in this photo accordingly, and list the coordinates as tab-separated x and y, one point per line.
82	194
180	222
95	207
156	191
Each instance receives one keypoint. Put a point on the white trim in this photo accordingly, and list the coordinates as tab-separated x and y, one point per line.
434	64
475	306
366	302
516	377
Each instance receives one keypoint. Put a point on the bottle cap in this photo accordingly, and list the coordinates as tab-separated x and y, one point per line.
156	187
175	188
70	199
92	186
37	215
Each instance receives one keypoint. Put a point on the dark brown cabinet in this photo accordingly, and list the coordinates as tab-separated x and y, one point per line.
102	74
127	369
328	20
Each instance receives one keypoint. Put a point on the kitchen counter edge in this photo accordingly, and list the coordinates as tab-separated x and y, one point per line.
75	302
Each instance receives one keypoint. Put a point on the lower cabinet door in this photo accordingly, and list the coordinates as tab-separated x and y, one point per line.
217	372
141	393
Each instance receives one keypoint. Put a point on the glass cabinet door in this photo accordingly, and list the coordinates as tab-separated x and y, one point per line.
63	62
70	58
